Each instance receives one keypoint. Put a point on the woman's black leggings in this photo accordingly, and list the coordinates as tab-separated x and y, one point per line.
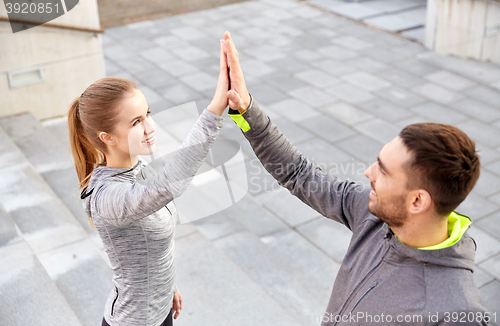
167	322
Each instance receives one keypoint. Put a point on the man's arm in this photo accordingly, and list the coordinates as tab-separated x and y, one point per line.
342	201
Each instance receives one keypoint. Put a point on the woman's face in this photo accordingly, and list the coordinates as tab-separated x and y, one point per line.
134	127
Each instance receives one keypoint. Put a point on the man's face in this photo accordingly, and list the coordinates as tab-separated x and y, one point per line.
388	198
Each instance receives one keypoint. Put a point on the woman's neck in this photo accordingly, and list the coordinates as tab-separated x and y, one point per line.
122	163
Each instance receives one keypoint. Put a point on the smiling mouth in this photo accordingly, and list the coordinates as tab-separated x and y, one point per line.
149	141
373	193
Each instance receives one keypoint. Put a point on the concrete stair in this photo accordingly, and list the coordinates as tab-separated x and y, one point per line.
281	272
266	260
37	266
242	266
217	291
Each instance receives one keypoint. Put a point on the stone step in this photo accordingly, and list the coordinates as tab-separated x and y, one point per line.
83	276
216	292
44	151
218	277
306	273
47	149
29	295
246	214
58	127
290	269
9	232
306	258
42	219
64	263
64	181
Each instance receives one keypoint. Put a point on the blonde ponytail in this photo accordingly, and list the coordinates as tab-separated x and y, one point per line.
92	112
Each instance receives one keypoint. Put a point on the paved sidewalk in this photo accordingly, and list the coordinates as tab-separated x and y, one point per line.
339	90
336	88
406	17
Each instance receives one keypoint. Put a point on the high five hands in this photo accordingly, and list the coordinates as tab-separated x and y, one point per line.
231	88
238	96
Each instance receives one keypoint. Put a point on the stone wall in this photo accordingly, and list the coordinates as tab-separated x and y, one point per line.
70	60
466	28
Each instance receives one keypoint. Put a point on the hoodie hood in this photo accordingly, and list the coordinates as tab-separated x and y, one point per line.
102	172
457	225
458	251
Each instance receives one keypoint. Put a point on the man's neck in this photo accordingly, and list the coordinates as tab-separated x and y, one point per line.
422	231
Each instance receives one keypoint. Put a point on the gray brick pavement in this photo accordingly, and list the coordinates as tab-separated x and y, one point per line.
337	89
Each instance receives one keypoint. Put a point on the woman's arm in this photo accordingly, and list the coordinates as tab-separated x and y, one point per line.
121	203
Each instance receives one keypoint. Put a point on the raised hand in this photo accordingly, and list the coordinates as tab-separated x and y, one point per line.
238	96
220	100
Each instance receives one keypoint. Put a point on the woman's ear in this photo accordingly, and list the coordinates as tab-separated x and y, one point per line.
106	138
421	200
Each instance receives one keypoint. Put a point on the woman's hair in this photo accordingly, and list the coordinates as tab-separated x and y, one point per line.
94	111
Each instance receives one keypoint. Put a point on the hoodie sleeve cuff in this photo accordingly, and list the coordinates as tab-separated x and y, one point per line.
253	122
238	117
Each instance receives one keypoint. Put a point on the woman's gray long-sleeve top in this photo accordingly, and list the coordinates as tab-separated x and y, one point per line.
135	217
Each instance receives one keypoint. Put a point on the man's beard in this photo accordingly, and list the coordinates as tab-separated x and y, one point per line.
393	212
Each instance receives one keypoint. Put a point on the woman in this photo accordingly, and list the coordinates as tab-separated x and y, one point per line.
128	204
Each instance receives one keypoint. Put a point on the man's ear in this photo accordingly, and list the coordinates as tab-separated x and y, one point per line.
421	201
106	138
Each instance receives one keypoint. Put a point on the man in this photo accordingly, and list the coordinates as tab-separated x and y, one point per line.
410	261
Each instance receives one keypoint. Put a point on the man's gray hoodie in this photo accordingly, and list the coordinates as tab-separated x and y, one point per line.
381	281
133	212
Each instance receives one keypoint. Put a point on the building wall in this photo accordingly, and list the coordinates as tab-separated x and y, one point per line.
70	60
491	47
466	28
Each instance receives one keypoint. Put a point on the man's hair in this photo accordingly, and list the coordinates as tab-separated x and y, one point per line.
444	162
